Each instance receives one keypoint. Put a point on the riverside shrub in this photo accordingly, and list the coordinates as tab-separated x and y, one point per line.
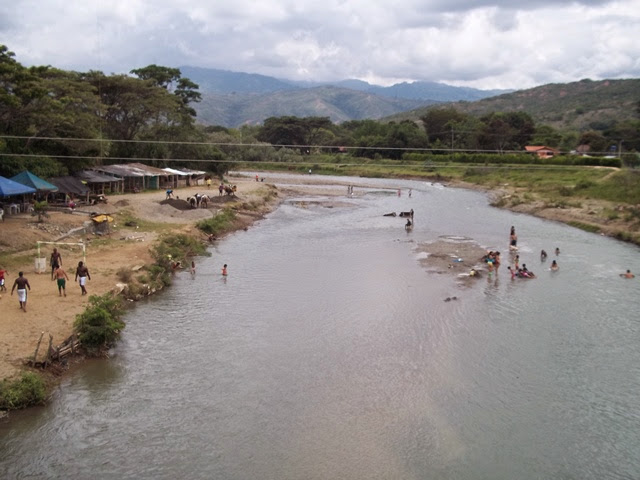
218	224
99	325
27	390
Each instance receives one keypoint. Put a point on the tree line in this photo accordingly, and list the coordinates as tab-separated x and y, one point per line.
55	122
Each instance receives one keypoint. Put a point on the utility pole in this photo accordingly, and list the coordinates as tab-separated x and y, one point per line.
452	138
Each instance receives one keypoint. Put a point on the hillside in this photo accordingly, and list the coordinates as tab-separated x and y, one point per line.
339	104
236	98
578	106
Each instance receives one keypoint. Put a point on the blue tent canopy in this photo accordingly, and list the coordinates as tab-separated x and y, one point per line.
9	188
30	180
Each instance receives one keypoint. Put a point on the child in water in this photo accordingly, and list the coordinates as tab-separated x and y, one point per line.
224	270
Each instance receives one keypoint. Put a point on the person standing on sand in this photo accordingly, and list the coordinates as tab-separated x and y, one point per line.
221	188
22	284
55	261
82	273
208	184
61	278
3	287
224	270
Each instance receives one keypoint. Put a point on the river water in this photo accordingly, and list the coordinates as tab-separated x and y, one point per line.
330	353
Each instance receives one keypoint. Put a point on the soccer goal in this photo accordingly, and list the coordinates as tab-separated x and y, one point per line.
41	262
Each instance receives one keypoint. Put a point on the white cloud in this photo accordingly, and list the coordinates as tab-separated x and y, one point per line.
482	43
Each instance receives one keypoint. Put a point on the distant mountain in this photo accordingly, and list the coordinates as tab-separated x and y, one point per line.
339	104
580	106
235	98
424	91
222	82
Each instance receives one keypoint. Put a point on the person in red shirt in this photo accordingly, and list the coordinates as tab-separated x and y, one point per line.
3	287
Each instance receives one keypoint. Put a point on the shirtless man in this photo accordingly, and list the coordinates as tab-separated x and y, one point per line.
61	276
82	273
22	284
627	274
56	261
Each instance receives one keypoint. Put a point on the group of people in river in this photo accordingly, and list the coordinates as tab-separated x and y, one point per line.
492	259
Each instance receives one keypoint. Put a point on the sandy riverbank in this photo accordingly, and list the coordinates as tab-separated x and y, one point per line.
124	247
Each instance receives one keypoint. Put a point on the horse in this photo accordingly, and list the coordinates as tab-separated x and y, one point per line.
407	214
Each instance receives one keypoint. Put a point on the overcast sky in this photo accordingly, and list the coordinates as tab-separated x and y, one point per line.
479	43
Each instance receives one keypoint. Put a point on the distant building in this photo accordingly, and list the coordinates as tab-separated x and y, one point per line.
542	151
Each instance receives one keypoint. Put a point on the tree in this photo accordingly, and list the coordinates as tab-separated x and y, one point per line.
506	131
546	135
171	80
597	143
293	131
438	123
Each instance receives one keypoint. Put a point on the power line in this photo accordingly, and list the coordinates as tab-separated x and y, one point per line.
260	145
310	162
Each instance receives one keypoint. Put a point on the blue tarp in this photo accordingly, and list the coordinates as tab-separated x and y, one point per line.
9	187
30	180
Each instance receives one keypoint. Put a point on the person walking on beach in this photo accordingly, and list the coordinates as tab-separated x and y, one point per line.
3	287
82	273
22	284
61	278
55	261
224	270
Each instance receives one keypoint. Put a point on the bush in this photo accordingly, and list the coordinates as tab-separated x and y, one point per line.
124	274
218	224
26	391
99	325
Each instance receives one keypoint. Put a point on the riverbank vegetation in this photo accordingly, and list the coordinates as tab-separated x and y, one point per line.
100	324
27	390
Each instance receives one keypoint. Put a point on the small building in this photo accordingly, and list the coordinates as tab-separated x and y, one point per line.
100	183
542	151
133	178
154	178
71	186
177	178
194	177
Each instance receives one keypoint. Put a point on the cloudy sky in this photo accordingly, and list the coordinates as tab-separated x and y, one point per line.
477	43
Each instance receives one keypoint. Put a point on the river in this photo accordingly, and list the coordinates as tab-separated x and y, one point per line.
330	353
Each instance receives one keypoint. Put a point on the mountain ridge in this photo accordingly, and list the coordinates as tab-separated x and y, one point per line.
233	98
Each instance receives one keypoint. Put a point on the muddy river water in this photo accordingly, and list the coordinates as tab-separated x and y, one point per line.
329	352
